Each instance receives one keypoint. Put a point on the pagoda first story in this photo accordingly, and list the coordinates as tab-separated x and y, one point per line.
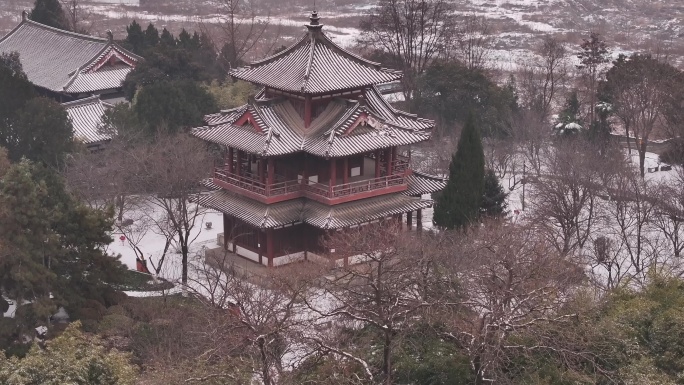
283	186
316	151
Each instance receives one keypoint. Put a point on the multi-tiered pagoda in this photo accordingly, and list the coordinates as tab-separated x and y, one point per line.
318	149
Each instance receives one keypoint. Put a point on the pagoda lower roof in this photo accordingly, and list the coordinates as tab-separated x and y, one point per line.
304	210
420	183
67	62
345	127
315	65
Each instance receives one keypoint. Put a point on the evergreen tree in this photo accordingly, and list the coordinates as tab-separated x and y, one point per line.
41	131
52	246
151	36
167	40
569	120
173	105
50	13
494	198
16	89
135	39
459	203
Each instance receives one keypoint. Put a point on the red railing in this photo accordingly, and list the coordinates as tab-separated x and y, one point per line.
367	185
249	183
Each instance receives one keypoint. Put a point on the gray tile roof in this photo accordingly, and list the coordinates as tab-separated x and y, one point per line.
278	129
62	61
307	211
315	65
421	183
86	117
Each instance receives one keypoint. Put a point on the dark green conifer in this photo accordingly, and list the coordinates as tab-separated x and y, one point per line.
459	203
50	13
494	199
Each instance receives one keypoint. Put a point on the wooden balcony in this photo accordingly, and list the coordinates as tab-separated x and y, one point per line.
250	186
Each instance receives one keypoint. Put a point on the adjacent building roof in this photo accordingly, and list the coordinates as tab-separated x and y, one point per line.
315	65
67	62
308	211
86	118
421	183
272	127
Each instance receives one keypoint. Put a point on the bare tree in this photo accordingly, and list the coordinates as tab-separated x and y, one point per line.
474	37
513	282
242	30
564	198
641	89
413	32
532	137
541	80
268	310
77	16
386	292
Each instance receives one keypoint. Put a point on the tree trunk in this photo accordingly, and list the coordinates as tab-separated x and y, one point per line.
387	358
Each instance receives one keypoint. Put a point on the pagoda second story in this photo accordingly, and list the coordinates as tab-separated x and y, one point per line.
317	148
319	128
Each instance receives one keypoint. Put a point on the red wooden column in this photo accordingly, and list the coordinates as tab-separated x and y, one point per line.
262	170
388	158
270	251
307	111
226	232
377	163
238	165
271	175
409	220
229	161
345	166
333	174
262	245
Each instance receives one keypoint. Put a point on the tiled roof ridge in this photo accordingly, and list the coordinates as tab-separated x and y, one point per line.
430	176
82	102
353	56
58	31
279	55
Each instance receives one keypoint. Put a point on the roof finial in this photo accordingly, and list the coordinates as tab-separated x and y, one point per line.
24	15
314	25
110	35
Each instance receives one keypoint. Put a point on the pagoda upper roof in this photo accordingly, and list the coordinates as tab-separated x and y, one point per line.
67	62
86	118
272	127
315	65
